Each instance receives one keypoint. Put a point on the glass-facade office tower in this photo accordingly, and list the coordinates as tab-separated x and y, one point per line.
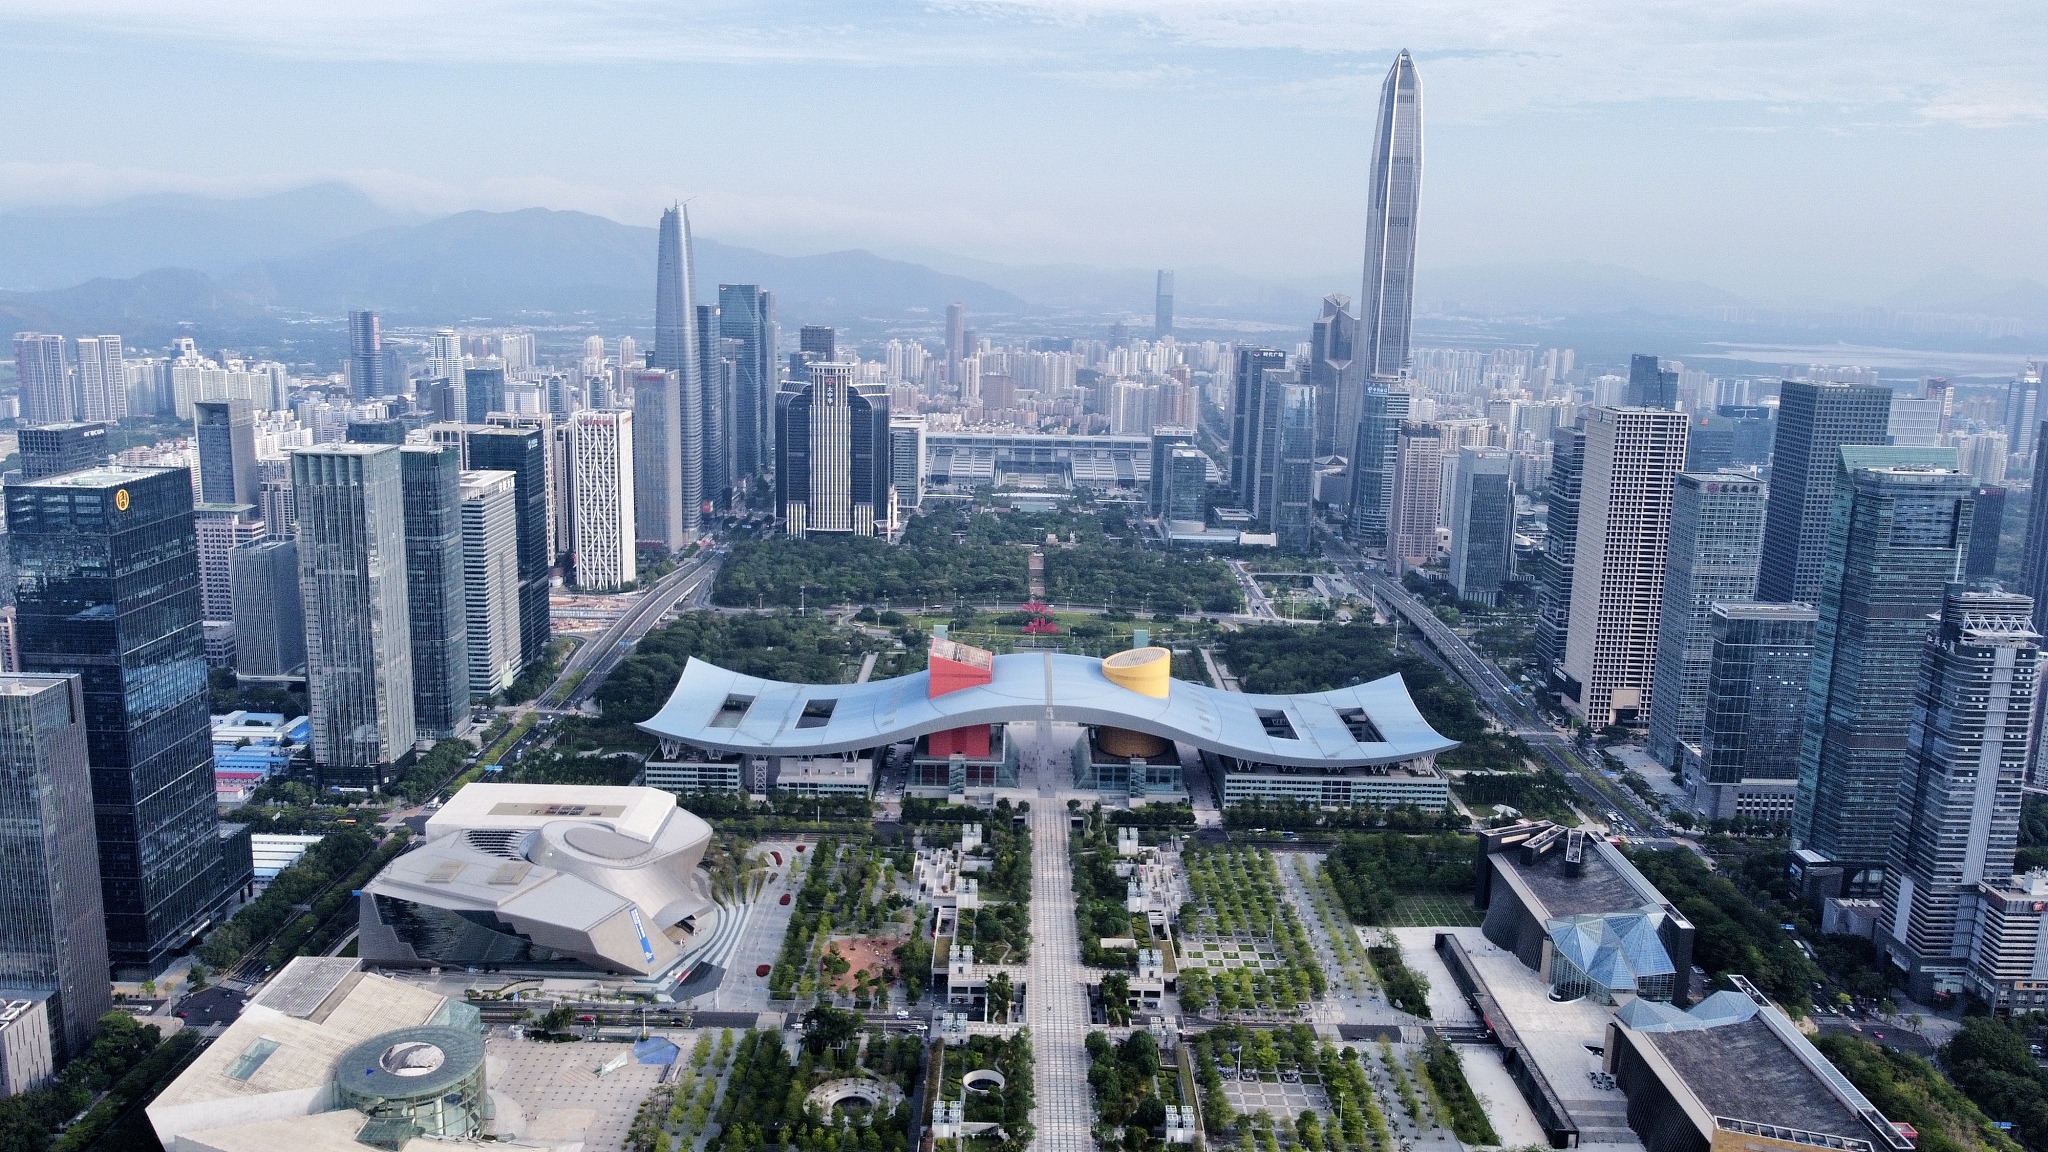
431	476
107	567
1895	539
1633	458
906	459
352	580
1381	412
1331	342
2022	410
1561	543
1186	481
1985	529
226	434
1757	670
270	620
1253	366
490	579
1649	386
1814	419
1162	305
1957	815
53	449
680	437
747	314
1482	524
1386	305
366	356
483	392
523	452
52	937
832	456
715	390
1164	441
1287	492
1717	527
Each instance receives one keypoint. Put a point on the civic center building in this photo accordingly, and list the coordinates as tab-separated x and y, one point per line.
951	726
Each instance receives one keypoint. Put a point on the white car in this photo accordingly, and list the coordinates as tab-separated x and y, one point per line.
903	1014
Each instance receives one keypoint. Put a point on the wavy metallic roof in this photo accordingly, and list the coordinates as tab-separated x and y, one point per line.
787	719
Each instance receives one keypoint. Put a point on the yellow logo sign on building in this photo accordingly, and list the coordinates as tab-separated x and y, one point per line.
121	500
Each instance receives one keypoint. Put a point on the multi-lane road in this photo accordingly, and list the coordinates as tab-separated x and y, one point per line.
587	667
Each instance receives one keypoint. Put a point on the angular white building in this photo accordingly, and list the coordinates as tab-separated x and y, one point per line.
601	457
490	579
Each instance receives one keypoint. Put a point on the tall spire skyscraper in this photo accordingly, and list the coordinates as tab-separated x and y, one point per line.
681	439
1387	303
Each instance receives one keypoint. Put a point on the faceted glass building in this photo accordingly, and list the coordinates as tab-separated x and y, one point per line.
1901	519
107	568
1717	524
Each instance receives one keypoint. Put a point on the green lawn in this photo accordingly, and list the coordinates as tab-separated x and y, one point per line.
1434	910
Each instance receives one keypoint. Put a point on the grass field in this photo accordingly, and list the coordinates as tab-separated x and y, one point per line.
1434	910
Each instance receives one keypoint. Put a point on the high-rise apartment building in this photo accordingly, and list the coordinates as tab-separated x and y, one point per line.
366	356
523	452
1759	661
102	387
1895	540
445	363
832	464
1956	819
1382	410
1717	527
1162	305
225	433
108	568
680	436
45	379
1482	524
490	579
747	315
1247	402
1649	385
1814	419
1417	497
270	619
431	476
352	580
52	930
54	449
1386	306
601	446
1632	458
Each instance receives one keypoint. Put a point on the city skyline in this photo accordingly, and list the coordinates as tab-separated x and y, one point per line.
1940	123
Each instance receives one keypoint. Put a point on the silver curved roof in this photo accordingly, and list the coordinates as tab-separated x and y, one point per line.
1030	686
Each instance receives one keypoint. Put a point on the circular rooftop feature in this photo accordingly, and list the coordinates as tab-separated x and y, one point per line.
1142	670
982	1080
410	1064
412	1058
600	841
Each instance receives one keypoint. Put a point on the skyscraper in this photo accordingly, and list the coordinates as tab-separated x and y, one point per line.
108	568
1758	665
1633	455
1417	496
445	363
52	935
1329	372
747	315
1649	385
2022	412
1814	419
1381	412
270	619
1895	539
483	392
1957	815
714	375
680	438
490	580
654	395
523	452
906	459
54	449
1561	545
832	456
956	343
1985	529
431	476
1717	527
1482	524
366	356
102	388
819	341
352	580
226	434
1287	483
1162	305
1387	302
1247	403
601	444
45	379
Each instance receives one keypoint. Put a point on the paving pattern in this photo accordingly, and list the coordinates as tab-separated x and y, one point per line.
1058	1004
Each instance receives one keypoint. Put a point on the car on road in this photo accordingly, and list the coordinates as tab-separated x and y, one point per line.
903	1013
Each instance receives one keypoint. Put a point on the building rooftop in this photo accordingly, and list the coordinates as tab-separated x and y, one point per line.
106	477
1600	881
1743	1070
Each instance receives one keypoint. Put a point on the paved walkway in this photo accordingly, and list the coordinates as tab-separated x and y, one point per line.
1058	1002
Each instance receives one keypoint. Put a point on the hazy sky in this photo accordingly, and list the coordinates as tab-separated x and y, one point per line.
1835	147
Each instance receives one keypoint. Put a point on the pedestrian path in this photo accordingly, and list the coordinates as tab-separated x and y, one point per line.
1057	995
